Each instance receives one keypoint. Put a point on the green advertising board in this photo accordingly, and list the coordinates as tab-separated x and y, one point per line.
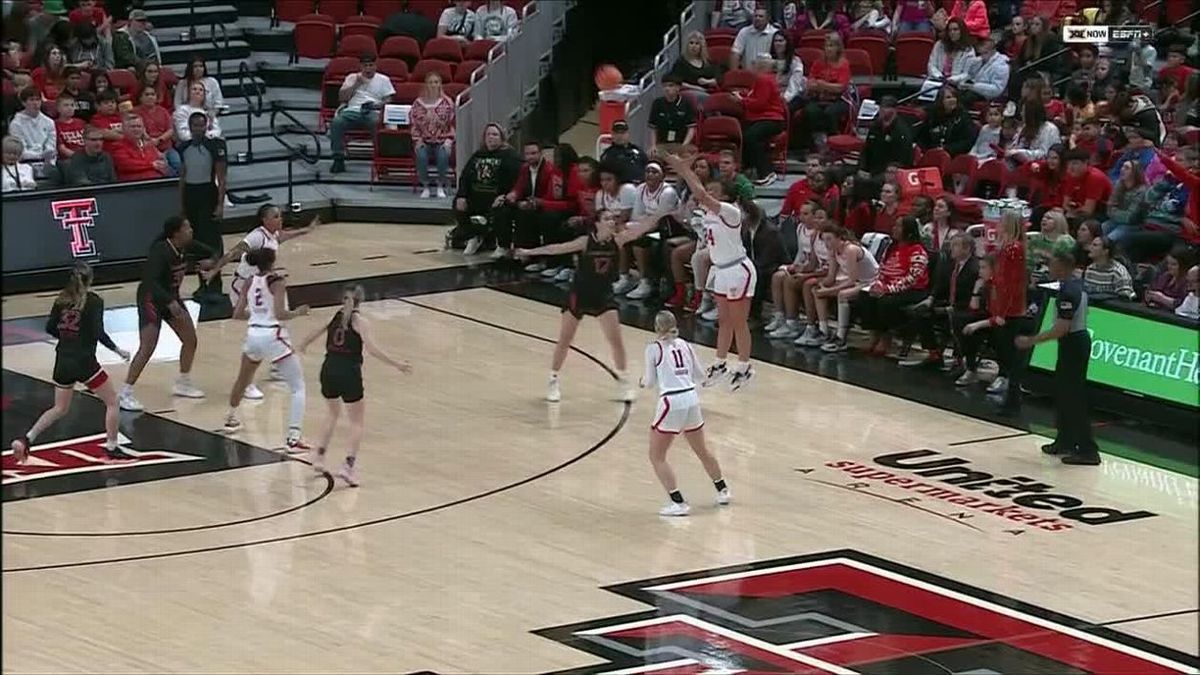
1138	355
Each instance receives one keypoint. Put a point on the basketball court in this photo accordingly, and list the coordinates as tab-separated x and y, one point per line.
495	532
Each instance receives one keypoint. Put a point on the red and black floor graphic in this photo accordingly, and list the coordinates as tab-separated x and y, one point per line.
70	456
848	612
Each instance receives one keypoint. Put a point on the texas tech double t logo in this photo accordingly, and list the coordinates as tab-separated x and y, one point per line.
77	216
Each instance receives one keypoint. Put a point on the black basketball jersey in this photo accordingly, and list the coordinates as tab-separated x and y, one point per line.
597	270
78	330
343	342
165	269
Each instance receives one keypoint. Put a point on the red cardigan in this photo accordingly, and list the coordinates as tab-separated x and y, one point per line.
764	102
1008	283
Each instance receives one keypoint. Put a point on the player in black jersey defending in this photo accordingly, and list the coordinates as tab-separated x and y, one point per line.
591	294
346	334
158	300
77	320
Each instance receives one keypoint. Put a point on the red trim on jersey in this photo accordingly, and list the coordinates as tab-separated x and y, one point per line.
279	336
666	409
695	428
746	287
151	311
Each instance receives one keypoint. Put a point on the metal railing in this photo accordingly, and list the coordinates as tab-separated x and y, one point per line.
300	152
213	26
253	105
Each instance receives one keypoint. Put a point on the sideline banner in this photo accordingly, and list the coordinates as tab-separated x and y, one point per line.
51	229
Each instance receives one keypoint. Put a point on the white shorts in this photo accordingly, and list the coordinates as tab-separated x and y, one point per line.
733	283
267	344
677	413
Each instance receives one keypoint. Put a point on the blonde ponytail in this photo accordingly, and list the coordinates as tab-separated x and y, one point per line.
352	297
75	293
665	325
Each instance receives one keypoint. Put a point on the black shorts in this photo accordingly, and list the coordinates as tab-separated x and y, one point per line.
580	305
341	379
150	312
70	370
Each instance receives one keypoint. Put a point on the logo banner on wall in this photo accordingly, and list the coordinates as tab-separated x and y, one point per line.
105	224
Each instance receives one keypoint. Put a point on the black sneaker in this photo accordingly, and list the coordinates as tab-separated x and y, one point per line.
1053	449
339	165
740	378
1081	459
118	455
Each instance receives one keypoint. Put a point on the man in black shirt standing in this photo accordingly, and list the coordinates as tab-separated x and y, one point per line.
1074	443
672	119
623	153
202	187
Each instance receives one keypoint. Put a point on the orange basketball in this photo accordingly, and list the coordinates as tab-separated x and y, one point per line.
608	77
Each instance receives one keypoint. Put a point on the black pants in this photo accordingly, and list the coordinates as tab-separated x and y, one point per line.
928	322
477	205
886	312
1070	395
540	227
968	345
199	205
825	117
1012	360
756	141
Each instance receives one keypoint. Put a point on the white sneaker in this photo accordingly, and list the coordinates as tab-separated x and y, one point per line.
968	378
535	268
349	474
643	290
711	315
788	331
716	372
775	323
253	393
551	272
232	423
675	509
185	389
565	274
812	337
622	285
553	393
998	386
626	392
441	192
425	193
128	402
472	246
498	253
706	305
723	497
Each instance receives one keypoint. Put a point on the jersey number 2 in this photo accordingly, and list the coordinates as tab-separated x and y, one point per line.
258	299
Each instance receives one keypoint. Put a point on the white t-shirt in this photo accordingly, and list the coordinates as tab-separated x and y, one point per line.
672	364
660	203
375	90
499	24
457	24
1190	307
626	199
723	234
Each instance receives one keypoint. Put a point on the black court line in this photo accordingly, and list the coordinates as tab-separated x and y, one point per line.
989	439
1148	617
384	519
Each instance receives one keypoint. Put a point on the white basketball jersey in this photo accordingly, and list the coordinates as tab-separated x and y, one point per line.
660	202
672	365
257	238
261	301
864	269
723	234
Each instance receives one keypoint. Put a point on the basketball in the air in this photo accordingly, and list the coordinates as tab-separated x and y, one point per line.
608	77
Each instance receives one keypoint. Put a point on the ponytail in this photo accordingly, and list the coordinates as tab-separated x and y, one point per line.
75	293
352	297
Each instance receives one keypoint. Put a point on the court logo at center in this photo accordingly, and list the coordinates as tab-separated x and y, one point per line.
949	488
847	612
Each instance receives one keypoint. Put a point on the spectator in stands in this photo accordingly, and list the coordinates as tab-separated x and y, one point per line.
1086	189
752	41
974	15
136	158
90	49
821	15
949	125
68	128
158	123
913	16
1138	149
1041	44
1170	286
727	169
363	96
1137	110
1088	139
1190	307
85	102
765	118
1013	37
149	74
1176	68
1105	277
133	43
50	76
1189	105
987	141
789	71
431	123
851	268
802	190
488	175
197	71
88	12
1184	169
1128	195
953	282
628	159
457	22
972	324
496	21
825	112
672	119
869	15
1040	247
695	71
1035	136
91	166
889	139
18	176
35	130
903	280
108	119
1047	178
987	74
733	14
196	103
1006	309
952	56
944	223
100	83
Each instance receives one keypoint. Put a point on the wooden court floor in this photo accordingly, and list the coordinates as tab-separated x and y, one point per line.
496	533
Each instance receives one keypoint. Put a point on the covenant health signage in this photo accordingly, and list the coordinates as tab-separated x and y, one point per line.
52	229
1136	354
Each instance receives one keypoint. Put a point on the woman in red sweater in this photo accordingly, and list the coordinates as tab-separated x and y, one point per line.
903	280
1007	308
826	112
765	119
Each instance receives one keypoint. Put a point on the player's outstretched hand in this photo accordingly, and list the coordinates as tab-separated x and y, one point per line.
522	253
123	354
404	367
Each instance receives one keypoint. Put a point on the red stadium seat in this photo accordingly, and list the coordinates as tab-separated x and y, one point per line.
718	40
453	89
427	66
443	49
777	146
960	172
936	158
723	104
719	55
292	10
407	92
719	133
465	69
431	9
809	57
812	39
382	8
738	79
356	46
875	46
340	10
360	25
331	83
314	37
401	47
393	68
993	171
860	63
124	81
478	50
912	54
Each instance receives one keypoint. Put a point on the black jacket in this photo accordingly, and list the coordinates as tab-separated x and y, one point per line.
955	132
964	284
84	170
894	144
489	173
630	158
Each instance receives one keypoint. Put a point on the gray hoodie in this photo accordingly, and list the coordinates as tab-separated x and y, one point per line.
989	78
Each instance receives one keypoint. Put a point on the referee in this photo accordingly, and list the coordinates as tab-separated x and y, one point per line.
202	186
1075	444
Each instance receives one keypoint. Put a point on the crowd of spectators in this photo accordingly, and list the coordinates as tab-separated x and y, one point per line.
66	123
